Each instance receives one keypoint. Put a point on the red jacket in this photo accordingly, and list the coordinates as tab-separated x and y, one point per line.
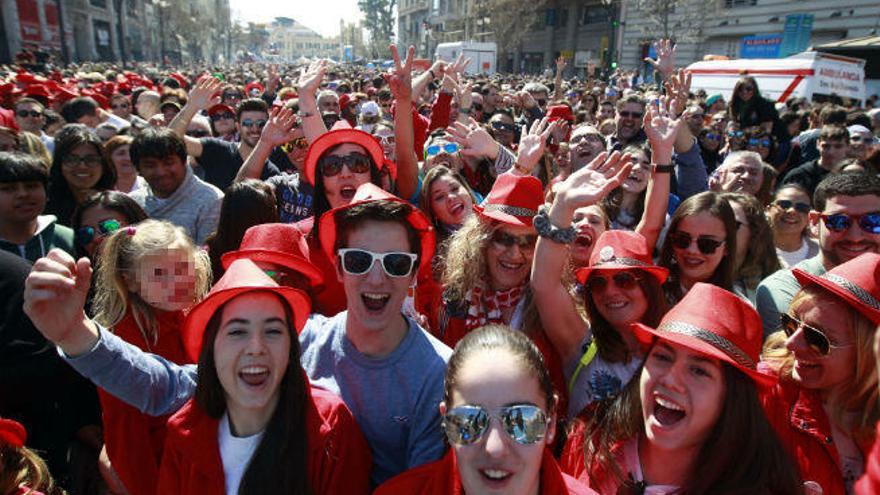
134	440
442	478
338	461
805	431
869	483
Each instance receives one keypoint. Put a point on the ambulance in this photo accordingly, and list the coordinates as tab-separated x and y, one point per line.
811	75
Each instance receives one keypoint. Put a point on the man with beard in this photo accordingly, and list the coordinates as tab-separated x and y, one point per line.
221	159
630	111
741	171
846	216
833	147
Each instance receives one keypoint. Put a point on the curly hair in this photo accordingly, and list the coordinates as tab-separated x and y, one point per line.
465	259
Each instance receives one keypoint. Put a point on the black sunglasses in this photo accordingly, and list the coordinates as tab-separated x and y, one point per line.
816	339
29	113
797	205
501	126
199	133
331	165
525	242
841	222
630	115
683	240
222	116
625	280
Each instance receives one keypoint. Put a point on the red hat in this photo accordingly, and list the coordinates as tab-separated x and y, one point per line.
344	100
371	192
38	90
514	200
557	112
857	282
220	108
180	79
279	243
341	132
65	94
12	433
242	276
716	323
622	250
251	86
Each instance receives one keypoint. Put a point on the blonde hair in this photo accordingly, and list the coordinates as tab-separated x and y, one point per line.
121	254
466	257
31	144
21	467
856	395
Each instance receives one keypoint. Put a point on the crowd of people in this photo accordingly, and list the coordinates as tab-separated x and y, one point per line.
328	279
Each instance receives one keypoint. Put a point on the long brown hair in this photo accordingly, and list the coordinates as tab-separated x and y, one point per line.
284	441
761	259
722	468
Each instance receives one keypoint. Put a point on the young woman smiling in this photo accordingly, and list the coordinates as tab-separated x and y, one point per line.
254	409
789	219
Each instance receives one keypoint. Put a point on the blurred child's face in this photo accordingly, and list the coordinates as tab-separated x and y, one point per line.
166	279
21	202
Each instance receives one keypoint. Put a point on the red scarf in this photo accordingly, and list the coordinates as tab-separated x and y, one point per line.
486	307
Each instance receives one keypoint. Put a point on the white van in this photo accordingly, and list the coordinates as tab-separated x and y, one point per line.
483	55
812	75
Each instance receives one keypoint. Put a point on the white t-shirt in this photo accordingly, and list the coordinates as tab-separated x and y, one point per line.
791	258
236	453
598	380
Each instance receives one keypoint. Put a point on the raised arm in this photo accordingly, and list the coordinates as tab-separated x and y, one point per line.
308	84
200	97
420	82
559	316
558	94
279	129
661	129
400	83
531	147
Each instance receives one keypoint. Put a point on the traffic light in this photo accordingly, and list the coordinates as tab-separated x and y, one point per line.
615	23
613	65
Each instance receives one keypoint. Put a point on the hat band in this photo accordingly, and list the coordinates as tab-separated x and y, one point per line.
621	261
516	211
859	293
711	338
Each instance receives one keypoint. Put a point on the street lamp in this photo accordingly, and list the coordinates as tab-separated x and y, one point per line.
161	5
120	35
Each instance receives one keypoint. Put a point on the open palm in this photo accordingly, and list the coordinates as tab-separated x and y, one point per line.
590	184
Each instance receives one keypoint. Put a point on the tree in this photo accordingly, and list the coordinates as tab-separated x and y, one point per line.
379	22
512	19
681	20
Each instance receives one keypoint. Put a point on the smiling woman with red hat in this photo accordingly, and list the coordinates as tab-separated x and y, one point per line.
826	404
254	409
685	424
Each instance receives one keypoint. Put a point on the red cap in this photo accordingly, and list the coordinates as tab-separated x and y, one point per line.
220	108
180	79
38	90
241	277
716	323
557	112
371	192
253	85
344	100
856	282
622	250
279	243
342	132
514	200
12	433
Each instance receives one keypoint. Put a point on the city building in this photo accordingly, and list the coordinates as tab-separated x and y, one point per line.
291	40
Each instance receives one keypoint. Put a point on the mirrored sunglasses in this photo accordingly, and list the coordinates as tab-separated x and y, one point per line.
841	222
436	149
85	235
298	143
250	123
525	423
360	261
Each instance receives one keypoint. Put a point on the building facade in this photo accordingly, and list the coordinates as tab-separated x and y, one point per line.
291	40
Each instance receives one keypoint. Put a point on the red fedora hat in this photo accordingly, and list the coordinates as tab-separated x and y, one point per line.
279	243
12	433
371	192
341	133
716	323
857	282
220	108
242	276
514	200
622	250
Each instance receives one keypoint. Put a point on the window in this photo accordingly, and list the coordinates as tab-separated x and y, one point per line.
99	3
732	4
595	14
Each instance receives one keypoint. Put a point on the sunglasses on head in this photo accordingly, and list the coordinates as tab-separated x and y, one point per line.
525	423
798	206
765	143
331	165
816	339
250	123
222	116
525	242
683	240
298	143
625	280
85	235
29	113
841	222
435	149
630	115
501	126
360	261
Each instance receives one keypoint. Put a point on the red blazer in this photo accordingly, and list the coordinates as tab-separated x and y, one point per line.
329	301
134	440
442	478
805	431
869	483
339	460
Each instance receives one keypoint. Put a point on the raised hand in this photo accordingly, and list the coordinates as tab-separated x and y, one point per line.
204	93
678	88
456	68
54	297
310	80
526	99
272	78
399	79
465	95
665	62
590	184
532	144
281	127
561	64
473	139
661	127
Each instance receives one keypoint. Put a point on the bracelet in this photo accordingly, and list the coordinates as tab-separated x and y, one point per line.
547	230
466	111
303	114
664	169
433	77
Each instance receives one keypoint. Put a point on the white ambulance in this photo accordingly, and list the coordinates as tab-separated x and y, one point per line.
483	55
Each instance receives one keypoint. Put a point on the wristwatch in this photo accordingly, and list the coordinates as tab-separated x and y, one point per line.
547	230
664	169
